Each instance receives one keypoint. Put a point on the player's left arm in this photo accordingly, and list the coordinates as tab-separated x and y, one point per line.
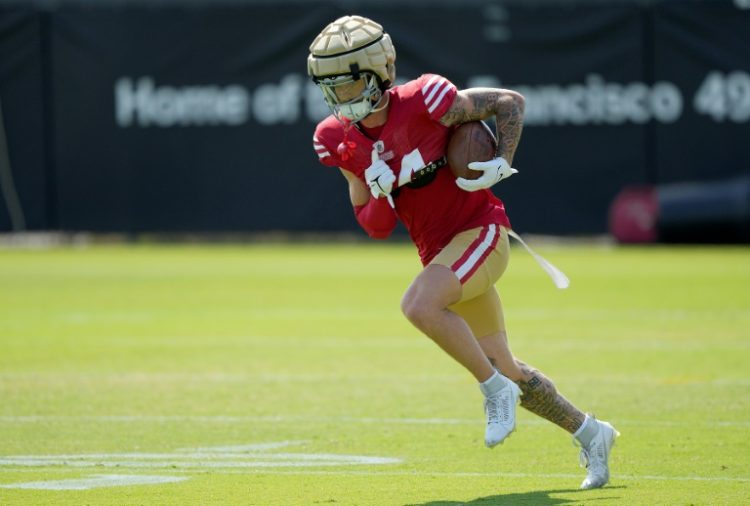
482	103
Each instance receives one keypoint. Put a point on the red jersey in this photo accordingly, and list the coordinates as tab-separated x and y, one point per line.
411	139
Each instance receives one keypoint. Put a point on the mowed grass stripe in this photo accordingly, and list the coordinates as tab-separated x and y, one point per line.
219	419
281	472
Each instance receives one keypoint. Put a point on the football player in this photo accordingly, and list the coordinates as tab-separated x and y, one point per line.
389	143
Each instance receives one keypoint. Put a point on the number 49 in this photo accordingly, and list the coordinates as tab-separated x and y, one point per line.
724	96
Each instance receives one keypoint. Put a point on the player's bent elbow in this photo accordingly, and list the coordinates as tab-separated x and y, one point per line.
379	234
518	100
379	230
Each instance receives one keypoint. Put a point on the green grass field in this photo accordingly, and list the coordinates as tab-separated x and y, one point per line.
286	375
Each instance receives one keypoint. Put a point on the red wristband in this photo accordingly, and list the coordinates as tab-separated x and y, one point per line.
376	217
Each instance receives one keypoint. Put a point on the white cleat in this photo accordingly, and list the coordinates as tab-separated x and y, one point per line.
500	409
595	456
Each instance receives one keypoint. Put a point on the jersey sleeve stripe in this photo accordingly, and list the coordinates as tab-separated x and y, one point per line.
435	88
320	149
324	145
427	86
439	99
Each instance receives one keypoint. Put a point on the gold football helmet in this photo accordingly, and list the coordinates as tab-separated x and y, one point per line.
349	49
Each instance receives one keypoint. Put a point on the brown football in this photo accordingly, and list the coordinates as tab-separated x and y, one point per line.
470	142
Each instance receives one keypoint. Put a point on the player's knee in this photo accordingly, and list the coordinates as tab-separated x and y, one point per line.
416	310
410	308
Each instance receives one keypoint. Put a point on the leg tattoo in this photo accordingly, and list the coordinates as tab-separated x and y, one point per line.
541	398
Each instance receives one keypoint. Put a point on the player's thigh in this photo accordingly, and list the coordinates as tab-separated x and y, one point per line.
477	257
483	313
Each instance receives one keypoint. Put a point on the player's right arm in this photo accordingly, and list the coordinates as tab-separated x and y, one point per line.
359	193
374	215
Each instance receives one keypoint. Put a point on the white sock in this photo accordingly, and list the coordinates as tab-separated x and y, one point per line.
493	385
587	431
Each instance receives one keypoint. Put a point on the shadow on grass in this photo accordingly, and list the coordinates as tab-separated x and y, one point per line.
537	498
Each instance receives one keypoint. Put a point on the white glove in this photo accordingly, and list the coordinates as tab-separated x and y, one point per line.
380	178
495	170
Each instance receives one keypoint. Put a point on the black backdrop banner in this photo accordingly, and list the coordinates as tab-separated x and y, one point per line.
705	47
200	118
21	92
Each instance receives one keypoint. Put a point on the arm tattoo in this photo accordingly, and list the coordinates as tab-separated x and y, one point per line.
541	398
474	104
509	123
481	103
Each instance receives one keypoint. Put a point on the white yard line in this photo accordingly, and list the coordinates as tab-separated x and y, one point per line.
96	481
174	465
256	455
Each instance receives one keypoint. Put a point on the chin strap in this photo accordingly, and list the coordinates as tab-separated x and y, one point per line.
385	104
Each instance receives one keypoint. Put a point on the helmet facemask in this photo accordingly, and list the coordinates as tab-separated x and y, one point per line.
356	108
